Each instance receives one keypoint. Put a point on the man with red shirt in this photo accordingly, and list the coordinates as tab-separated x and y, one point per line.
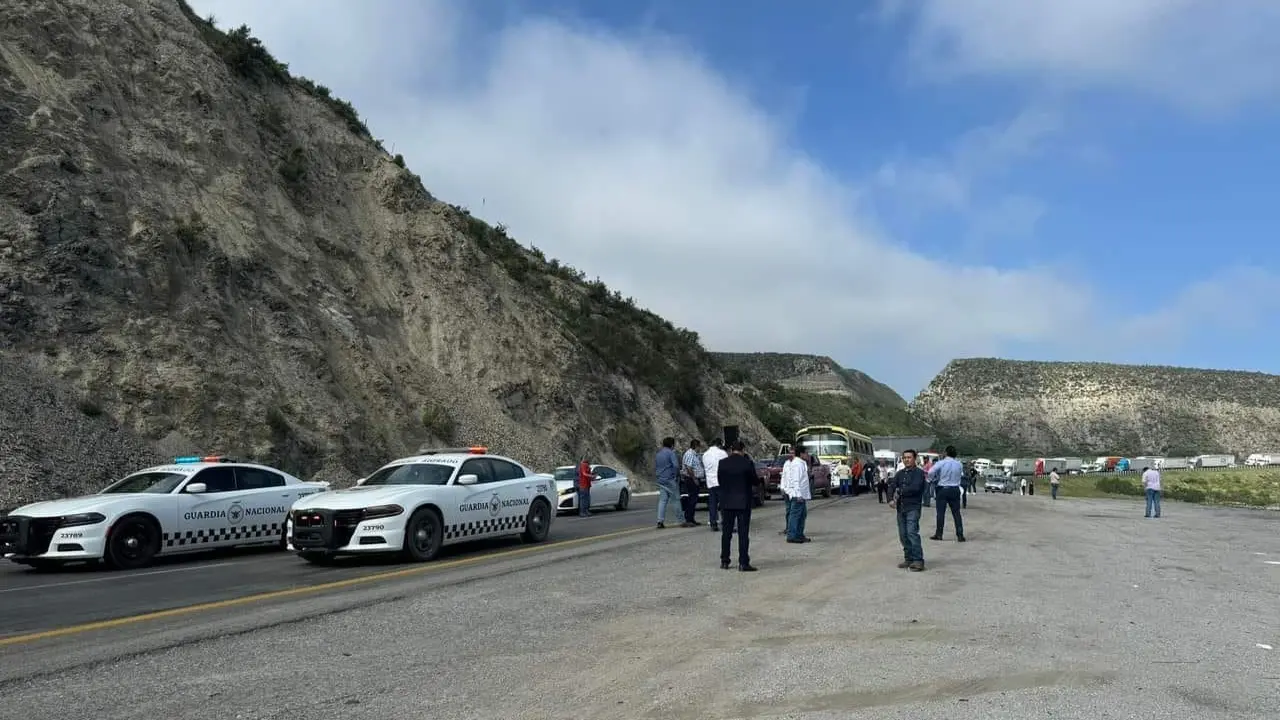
585	477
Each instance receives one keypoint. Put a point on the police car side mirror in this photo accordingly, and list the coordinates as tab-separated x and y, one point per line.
361	481
468	479
196	488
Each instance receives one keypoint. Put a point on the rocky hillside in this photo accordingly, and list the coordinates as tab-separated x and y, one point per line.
1005	407
788	391
218	256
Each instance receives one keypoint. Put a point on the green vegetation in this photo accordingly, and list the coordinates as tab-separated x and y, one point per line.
784	411
439	422
669	359
648	348
1243	486
631	442
247	57
293	167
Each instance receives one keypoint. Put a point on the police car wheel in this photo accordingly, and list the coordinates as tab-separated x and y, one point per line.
423	535
624	499
133	542
538	522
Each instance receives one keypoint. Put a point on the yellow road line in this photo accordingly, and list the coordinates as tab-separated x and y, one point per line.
299	591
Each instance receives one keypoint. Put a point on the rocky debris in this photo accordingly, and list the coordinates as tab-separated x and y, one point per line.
55	443
1043	408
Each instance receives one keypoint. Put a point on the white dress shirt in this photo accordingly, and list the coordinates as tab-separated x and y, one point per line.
795	479
711	465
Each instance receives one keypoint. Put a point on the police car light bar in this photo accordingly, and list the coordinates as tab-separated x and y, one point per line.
198	459
473	450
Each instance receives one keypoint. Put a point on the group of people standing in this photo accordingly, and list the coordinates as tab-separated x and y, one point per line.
730	477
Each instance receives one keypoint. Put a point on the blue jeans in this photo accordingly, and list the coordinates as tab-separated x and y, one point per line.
927	499
1053	490
844	487
909	533
1153	502
786	515
667	495
796	515
584	501
713	504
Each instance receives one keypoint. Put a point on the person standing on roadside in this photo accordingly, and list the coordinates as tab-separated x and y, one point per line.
584	488
908	487
1054	482
737	478
795	483
947	475
711	466
667	469
1151	483
844	474
869	476
690	473
882	482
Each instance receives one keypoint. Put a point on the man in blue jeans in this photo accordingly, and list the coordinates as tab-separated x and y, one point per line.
795	483
667	468
907	490
1151	483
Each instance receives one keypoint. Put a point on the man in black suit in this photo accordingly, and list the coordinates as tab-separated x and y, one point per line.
737	476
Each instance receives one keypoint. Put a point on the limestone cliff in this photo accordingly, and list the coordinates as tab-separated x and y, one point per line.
788	390
218	257
1035	408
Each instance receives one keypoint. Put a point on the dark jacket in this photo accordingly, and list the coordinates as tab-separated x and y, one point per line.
737	476
909	485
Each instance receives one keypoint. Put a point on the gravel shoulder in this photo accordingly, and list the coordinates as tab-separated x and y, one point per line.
1067	609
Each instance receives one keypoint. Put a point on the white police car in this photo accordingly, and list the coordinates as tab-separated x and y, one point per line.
196	503
416	505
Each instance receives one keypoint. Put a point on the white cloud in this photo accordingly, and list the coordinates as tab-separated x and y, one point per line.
1204	55
632	159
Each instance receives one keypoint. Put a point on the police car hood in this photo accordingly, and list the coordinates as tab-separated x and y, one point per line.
358	497
83	504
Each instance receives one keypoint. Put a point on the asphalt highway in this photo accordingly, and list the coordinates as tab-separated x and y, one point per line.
33	601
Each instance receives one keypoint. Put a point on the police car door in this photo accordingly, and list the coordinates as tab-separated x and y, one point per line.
480	504
257	515
517	492
204	520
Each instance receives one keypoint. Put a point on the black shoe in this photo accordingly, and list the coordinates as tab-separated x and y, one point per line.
724	565
686	523
960	539
661	526
795	540
715	528
935	537
746	568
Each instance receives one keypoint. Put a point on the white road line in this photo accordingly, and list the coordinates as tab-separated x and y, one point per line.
115	577
1272	562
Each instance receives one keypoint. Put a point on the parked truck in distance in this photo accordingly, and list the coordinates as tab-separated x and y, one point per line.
1262	459
1214	461
1173	463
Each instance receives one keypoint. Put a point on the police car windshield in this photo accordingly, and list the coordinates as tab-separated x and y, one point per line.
566	473
411	474
159	483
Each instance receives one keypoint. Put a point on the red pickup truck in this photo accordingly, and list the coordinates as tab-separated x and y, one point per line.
770	472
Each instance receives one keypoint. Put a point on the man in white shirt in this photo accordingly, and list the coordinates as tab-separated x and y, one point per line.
1054	482
1151	483
711	466
795	483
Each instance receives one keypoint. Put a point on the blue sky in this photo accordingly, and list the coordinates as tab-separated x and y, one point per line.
890	183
